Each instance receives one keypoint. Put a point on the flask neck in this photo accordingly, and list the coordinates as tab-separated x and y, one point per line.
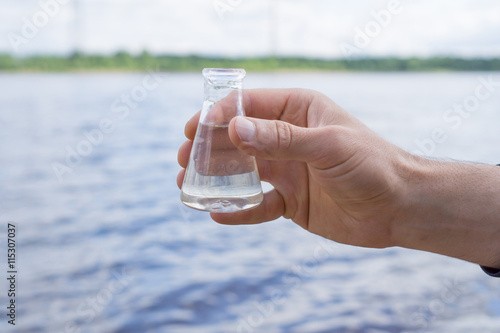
223	95
215	91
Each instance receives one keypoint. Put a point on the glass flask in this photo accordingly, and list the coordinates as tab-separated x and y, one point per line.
219	177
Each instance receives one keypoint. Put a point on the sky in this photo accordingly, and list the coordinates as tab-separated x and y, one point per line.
236	28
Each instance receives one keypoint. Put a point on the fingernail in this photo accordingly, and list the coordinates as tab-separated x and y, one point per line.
245	129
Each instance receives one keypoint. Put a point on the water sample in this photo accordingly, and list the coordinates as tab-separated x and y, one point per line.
219	177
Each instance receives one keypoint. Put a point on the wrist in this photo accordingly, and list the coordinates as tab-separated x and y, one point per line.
414	172
452	209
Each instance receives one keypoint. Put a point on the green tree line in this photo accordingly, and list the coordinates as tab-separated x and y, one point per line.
123	61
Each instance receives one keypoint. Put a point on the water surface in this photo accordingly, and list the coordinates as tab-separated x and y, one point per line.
104	244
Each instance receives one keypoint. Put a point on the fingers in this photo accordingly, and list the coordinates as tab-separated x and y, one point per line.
191	126
183	153
290	104
275	103
272	207
180	177
277	140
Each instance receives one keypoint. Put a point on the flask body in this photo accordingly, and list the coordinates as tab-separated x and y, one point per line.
219	177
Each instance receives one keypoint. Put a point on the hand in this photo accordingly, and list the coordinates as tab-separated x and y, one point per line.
331	174
334	177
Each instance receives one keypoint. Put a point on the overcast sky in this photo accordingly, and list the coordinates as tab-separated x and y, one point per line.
315	28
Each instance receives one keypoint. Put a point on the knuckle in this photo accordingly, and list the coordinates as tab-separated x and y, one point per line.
283	135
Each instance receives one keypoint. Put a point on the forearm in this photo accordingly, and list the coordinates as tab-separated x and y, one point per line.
452	209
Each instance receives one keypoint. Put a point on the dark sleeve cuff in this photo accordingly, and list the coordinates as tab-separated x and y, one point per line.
495	272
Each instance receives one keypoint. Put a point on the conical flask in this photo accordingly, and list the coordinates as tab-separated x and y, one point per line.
219	177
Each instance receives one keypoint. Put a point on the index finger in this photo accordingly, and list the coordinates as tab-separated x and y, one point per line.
283	104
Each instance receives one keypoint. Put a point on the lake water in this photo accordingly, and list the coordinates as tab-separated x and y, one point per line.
87	176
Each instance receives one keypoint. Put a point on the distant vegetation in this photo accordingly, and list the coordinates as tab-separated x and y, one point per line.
123	61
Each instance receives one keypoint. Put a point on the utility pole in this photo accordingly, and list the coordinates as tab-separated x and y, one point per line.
77	38
273	27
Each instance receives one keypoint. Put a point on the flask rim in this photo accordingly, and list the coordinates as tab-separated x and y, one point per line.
224	73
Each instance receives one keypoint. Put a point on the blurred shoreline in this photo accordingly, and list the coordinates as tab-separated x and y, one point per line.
125	62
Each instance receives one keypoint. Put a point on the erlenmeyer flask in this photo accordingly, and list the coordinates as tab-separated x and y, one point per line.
219	177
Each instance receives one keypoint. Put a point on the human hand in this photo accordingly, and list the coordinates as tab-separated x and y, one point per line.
331	174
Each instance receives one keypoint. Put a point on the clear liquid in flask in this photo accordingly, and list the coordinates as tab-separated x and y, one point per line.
219	177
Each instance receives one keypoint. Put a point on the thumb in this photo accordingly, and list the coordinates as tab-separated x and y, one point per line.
275	139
